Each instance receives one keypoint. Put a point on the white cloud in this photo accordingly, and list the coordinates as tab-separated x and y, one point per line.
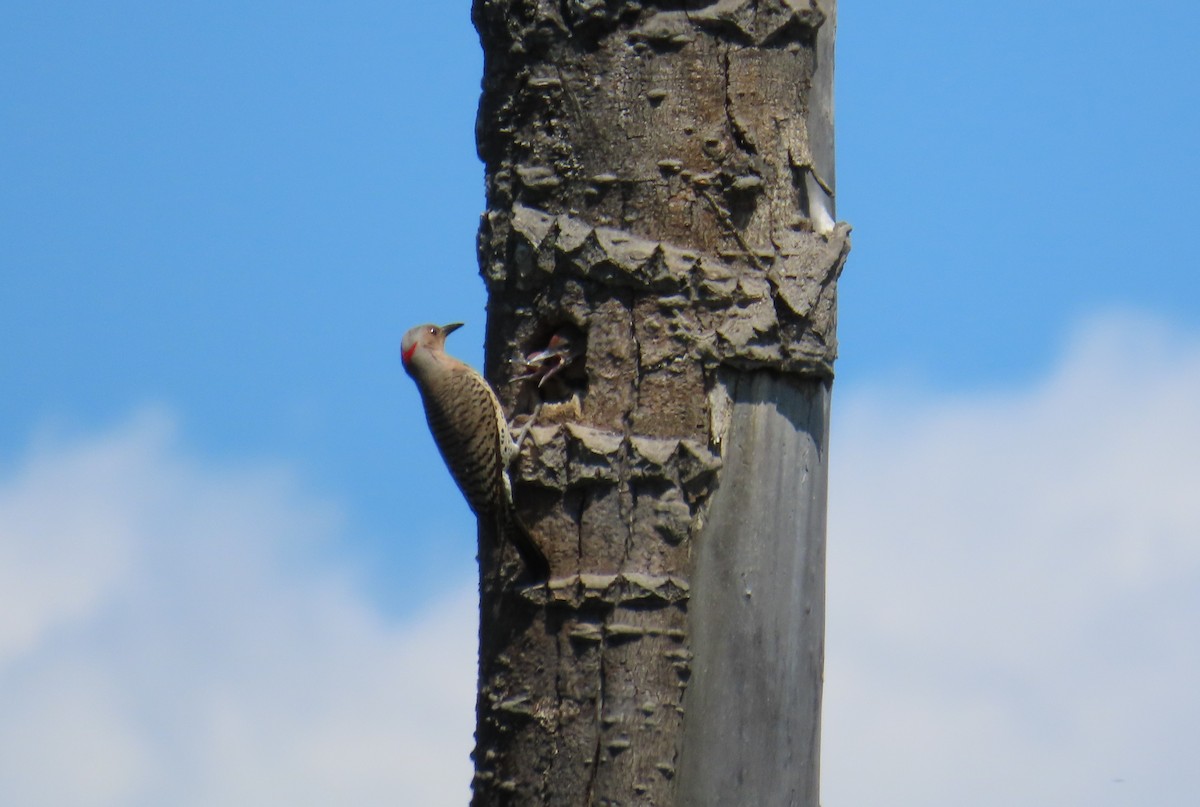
1014	586
170	637
1014	604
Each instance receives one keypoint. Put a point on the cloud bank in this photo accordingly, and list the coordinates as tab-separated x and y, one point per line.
1014	586
171	636
1014	605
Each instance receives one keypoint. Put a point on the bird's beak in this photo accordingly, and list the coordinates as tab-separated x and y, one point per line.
451	328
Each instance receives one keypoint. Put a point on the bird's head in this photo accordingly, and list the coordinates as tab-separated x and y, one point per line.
423	344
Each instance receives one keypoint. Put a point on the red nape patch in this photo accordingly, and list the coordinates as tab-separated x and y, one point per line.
407	355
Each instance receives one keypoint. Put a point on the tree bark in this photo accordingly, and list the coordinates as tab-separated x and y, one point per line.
660	182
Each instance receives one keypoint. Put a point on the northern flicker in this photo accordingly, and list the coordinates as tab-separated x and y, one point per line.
471	433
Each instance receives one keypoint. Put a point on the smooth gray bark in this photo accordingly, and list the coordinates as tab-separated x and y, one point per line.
753	705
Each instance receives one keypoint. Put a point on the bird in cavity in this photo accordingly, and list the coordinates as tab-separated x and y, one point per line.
471	433
560	352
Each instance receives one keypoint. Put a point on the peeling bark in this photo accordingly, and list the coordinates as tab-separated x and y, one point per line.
660	189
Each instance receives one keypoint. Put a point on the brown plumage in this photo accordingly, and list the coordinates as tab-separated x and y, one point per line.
470	431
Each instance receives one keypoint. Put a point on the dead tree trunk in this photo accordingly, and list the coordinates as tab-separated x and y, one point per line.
660	214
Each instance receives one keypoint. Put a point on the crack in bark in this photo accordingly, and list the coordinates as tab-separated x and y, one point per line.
584	495
726	222
558	702
738	133
626	488
591	785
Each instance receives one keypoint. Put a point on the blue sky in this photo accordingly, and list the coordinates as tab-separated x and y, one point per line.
217	220
235	211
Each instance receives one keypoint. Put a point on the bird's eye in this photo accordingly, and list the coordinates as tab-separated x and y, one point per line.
432	331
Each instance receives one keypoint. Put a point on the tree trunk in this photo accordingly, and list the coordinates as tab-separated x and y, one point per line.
660	215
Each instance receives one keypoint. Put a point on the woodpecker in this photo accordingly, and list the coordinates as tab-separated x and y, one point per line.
471	433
